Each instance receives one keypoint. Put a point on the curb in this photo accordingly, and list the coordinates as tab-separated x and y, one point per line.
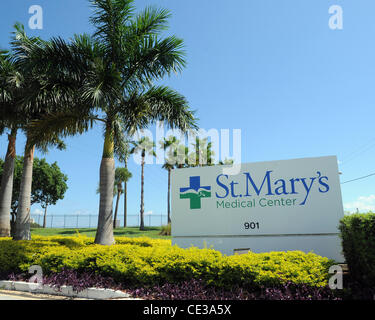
89	293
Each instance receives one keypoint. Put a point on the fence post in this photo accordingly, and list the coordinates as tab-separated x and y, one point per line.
51	220
77	222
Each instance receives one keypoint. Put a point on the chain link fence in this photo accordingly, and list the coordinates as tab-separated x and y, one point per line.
70	221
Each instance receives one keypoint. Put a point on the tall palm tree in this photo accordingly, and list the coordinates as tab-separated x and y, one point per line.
16	84
170	145
108	79
121	175
123	156
32	107
202	154
126	197
9	120
146	147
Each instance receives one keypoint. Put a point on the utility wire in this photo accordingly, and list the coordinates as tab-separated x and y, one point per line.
369	175
351	155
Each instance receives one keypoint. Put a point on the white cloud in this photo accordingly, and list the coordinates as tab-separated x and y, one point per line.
38	211
148	212
363	204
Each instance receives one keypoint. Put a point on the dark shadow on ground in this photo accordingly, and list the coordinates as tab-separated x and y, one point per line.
135	230
75	232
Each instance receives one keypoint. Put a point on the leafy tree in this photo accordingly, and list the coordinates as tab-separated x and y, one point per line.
49	184
107	78
146	147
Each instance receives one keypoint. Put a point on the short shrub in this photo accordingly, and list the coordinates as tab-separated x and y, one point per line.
149	262
358	243
166	230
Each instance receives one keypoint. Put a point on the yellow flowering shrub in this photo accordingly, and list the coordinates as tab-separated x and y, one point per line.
146	261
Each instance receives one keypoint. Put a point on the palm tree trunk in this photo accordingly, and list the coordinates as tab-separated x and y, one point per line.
117	201
24	200
45	216
125	197
142	224
104	232
6	188
13	222
169	195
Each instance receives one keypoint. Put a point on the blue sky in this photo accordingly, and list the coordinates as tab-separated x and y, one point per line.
273	69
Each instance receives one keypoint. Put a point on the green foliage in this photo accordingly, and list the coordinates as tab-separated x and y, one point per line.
151	232
35	225
166	230
145	261
49	183
358	242
143	145
122	175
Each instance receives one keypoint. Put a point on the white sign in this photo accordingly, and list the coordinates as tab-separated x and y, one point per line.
268	206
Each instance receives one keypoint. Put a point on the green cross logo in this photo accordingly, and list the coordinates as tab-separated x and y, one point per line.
195	192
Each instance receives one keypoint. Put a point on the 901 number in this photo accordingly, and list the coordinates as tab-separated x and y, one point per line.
251	225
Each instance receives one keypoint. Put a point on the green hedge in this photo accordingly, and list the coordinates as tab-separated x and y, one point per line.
358	243
145	261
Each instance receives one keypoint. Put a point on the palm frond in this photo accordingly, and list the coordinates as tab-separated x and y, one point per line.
144	145
150	21
152	59
109	19
171	107
54	126
121	141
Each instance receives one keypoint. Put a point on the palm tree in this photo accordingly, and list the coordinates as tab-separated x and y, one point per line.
123	156
203	154
30	107
125	197
108	79
169	144
16	84
9	116
146	147
121	175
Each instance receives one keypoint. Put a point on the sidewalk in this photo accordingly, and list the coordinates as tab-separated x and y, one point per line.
20	290
15	295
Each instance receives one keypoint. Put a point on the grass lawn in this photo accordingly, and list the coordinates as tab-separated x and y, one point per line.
152	232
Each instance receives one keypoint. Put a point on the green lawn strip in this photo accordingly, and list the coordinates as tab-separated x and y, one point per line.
152	232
